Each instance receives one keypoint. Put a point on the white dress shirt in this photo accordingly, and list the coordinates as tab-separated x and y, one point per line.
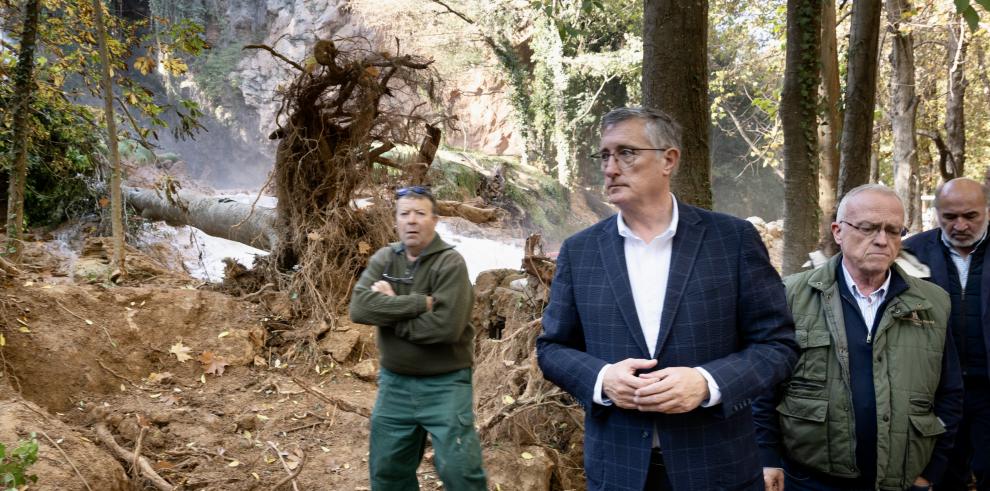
648	268
868	304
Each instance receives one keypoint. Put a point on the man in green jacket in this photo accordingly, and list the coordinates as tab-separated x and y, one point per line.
418	293
876	396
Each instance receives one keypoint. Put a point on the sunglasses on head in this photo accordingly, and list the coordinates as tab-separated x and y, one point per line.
420	190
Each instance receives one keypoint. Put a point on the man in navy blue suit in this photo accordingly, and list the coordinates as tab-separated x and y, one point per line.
665	322
956	253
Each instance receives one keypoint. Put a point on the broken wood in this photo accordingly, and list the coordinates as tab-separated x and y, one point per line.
536	263
466	211
216	216
146	470
8	267
336	402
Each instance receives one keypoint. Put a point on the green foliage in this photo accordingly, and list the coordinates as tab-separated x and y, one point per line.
968	11
213	72
14	465
62	160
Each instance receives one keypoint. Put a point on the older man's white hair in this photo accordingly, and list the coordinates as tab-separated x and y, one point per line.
840	212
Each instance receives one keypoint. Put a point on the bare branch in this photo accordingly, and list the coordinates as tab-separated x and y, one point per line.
275	54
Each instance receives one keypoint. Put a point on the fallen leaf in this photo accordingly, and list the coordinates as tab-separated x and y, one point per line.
527	456
160	378
28	283
202	378
325	449
233	463
259	361
3	340
180	351
223	334
155	396
23	329
212	364
161	465
507	399
262	417
255	476
88	322
364	247
171	400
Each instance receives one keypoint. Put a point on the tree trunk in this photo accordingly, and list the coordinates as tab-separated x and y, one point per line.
861	94
21	108
219	217
955	117
829	129
798	113
116	204
675	79
904	104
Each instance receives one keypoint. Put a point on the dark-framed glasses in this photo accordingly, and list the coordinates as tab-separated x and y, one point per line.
625	157
872	229
420	190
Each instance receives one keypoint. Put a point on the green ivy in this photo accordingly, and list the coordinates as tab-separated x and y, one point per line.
14	465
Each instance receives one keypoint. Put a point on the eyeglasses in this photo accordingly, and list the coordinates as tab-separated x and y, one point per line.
872	229
625	157
420	190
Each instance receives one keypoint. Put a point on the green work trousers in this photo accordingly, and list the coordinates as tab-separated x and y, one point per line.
409	407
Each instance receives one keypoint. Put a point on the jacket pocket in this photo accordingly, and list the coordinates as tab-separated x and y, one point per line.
804	431
921	438
813	363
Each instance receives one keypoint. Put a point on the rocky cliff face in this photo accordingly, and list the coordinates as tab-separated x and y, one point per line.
477	98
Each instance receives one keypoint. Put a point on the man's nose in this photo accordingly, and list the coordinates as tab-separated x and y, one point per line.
610	167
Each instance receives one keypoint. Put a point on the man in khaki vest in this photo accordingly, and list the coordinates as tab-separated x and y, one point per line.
876	396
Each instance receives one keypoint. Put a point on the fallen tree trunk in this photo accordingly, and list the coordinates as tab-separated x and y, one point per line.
464	210
219	217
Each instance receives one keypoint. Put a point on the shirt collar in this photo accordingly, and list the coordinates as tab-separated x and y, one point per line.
626	232
881	292
952	248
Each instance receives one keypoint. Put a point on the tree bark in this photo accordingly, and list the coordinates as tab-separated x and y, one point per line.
903	107
675	80
116	203
861	93
829	128
21	108
219	217
798	113
955	116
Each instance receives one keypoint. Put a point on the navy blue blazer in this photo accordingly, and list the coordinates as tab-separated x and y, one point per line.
927	246
725	311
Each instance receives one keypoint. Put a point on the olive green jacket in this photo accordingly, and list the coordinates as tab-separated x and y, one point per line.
411	339
812	422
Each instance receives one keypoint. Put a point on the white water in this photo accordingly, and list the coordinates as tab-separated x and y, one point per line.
203	254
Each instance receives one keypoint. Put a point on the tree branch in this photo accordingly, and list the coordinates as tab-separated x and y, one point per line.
275	54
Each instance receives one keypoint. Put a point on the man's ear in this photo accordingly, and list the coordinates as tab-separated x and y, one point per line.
671	159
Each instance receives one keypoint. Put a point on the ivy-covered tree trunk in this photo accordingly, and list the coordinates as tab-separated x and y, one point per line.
798	113
829	127
116	204
861	95
903	107
675	80
21	109
955	116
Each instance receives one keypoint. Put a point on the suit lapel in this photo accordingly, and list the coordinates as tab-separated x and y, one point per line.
614	258
687	243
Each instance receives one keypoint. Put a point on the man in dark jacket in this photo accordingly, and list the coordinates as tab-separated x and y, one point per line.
956	254
664	322
418	293
876	395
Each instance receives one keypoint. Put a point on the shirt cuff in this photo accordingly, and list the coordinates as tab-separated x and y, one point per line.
598	397
714	395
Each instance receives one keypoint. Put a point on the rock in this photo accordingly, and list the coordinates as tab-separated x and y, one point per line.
341	345
367	370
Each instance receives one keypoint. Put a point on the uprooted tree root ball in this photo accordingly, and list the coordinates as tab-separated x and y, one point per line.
338	118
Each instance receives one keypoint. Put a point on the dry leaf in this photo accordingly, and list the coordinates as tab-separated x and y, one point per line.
223	334
88	322
259	361
172	400
212	364
364	247
527	456
180	351
507	399
160	378
233	463
162	464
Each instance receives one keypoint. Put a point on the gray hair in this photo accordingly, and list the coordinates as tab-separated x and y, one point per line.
840	212
661	128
